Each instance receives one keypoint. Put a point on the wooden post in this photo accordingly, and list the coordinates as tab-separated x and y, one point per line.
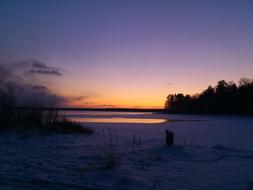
169	137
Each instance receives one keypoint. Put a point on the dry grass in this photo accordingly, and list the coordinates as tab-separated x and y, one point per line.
35	119
110	154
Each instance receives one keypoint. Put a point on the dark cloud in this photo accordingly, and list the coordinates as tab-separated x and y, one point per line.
39	87
39	65
41	68
45	72
15	81
4	72
169	83
34	67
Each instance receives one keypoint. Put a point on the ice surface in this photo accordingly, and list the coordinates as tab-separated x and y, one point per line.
210	152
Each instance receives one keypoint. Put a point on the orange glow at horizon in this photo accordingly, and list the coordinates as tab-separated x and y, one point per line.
123	98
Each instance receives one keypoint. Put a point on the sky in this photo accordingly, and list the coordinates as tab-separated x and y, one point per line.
127	53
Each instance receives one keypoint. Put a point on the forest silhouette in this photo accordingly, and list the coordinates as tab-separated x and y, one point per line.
224	98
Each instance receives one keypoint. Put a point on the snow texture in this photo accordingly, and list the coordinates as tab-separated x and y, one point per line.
210	152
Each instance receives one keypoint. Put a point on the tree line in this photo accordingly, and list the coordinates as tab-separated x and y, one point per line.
224	98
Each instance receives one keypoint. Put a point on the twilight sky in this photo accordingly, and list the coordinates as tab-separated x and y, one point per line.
129	53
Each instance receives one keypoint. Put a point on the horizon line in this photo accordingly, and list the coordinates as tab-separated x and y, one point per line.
89	109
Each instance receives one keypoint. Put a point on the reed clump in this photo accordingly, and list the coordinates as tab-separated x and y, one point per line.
35	118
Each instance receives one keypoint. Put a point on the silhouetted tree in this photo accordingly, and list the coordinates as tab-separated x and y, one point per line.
224	98
6	114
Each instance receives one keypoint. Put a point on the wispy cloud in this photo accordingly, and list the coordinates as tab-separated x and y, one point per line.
37	67
39	87
77	98
45	72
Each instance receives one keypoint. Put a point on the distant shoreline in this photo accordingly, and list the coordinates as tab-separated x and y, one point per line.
124	110
94	109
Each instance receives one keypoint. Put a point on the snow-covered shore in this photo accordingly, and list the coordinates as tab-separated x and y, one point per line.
210	152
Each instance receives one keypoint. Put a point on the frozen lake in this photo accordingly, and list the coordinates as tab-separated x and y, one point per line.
233	131
210	152
112	117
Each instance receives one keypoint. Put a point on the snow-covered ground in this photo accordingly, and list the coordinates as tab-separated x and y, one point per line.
210	152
